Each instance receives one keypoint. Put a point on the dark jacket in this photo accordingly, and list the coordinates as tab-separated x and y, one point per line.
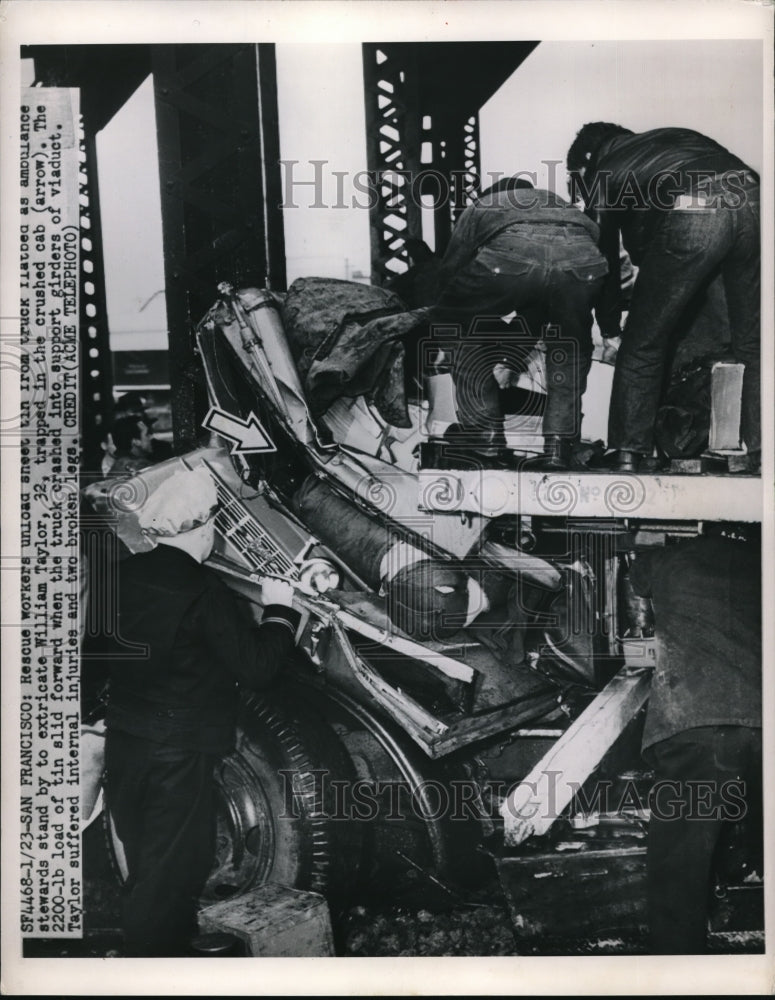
706	595
632	181
183	648
125	464
493	213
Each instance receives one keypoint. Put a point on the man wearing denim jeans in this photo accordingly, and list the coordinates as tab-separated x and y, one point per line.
687	210
525	250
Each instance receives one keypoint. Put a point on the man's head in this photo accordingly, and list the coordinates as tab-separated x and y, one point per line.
131	436
131	404
180	512
588	141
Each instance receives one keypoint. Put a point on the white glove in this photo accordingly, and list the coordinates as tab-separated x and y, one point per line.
275	591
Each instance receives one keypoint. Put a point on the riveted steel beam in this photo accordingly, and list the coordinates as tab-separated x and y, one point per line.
217	123
422	104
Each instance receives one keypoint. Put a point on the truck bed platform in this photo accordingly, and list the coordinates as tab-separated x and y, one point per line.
495	492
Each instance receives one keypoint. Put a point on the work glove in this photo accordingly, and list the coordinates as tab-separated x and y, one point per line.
274	591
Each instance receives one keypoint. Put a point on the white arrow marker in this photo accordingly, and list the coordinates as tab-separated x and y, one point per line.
248	435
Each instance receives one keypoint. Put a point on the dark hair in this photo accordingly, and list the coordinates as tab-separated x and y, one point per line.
125	430
589	139
130	404
514	183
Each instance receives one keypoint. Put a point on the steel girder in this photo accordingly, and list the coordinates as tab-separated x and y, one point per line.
422	136
95	359
393	149
217	124
216	110
83	67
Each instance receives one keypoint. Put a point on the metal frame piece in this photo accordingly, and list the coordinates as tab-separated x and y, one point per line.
393	147
649	496
95	361
533	805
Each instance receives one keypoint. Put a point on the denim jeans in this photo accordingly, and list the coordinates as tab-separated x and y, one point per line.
550	275
688	248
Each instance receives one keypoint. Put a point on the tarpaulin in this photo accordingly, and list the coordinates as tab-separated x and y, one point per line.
346	341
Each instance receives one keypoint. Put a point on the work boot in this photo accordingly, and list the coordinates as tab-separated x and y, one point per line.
625	461
467	447
617	461
652	463
754	462
487	443
556	456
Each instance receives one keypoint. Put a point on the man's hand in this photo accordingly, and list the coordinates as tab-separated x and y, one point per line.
274	591
610	349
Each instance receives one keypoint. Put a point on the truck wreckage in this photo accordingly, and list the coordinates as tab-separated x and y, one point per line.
471	663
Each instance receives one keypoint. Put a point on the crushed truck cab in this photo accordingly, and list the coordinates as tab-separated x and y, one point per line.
471	659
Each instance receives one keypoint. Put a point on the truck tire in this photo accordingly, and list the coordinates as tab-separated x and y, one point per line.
278	818
276	807
283	806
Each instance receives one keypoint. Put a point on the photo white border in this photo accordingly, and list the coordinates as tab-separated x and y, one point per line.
318	21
